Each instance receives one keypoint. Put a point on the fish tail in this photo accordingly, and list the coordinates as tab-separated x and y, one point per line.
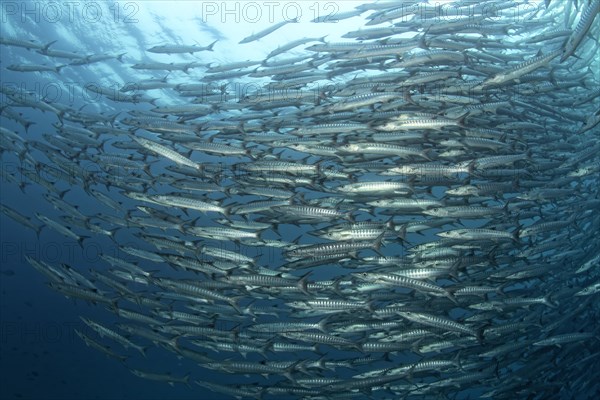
47	45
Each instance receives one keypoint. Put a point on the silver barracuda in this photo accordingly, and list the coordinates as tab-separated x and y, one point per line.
179	48
166	152
267	31
380	200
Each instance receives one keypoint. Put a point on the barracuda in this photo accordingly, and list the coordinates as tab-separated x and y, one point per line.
269	281
465	212
375	188
188	203
521	69
173	49
583	26
425	192
333	248
267	31
221	233
405	281
106	332
418	124
166	152
407	205
439	322
479	234
312	212
384	149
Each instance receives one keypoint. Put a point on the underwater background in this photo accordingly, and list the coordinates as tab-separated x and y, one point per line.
545	118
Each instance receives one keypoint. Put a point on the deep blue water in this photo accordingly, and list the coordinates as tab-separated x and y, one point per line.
40	356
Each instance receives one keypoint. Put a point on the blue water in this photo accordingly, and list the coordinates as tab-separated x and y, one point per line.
40	355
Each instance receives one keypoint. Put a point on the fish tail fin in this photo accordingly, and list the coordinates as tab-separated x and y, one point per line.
210	46
422	43
22	186
227	211
60	115
479	334
389	224
516	235
62	193
500	289
505	208
113	117
114	306
378	242
528	154
186	380
408	98
303	284
428	154
111	232
414	347
248	153
322	325
452	298
81	239
358	347
288	372
549	302
27	124
37	232
47	45
336	286
460	121
456	360
234	302
142	349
